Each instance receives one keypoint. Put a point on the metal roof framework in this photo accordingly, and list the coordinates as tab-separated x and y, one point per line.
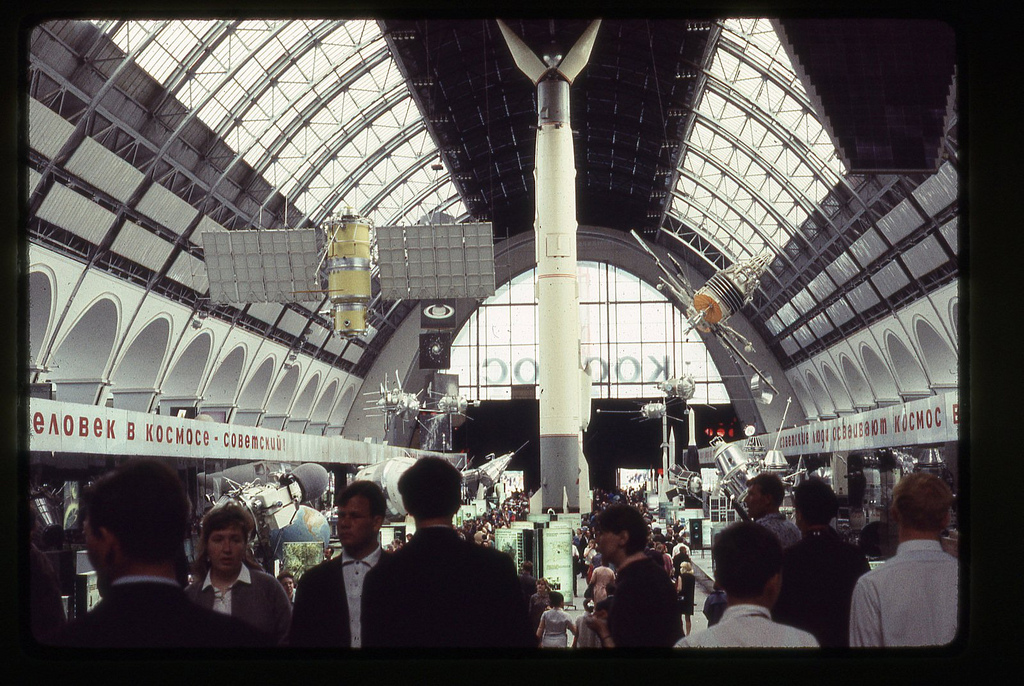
279	123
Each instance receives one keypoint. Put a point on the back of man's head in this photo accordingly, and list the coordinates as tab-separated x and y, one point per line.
922	502
771	485
431	488
618	518
367	489
746	556
816	502
144	505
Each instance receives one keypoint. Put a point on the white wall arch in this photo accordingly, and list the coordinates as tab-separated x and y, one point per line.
135	375
41	309
910	376
939	358
304	401
254	393
298	416
223	386
880	377
954	316
822	398
187	372
860	391
837	389
280	400
339	416
80	358
806	401
322	409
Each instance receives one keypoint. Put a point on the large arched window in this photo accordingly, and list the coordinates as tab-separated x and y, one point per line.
631	338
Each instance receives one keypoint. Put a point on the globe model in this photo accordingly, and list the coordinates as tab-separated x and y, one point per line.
308	526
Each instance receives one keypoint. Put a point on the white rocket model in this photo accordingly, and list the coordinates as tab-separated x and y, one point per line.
560	372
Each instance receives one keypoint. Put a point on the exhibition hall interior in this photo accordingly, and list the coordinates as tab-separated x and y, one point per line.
584	262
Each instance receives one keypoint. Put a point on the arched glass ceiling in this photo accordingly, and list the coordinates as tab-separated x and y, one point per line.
318	108
756	162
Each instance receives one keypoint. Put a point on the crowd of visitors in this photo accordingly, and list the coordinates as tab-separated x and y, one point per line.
445	585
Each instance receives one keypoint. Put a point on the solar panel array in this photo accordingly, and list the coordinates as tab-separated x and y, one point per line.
436	261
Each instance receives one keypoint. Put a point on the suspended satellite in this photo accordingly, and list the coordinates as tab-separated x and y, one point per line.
395	403
710	306
334	261
296	265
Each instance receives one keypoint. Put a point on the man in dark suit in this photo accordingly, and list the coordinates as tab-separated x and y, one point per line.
135	521
820	572
441	591
328	600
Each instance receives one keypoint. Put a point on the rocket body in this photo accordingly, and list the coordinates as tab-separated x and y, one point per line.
561	437
563	385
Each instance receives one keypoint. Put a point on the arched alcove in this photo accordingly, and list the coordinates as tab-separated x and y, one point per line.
909	372
85	351
881	377
810	409
826	407
300	410
282	395
223	386
40	294
940	359
141	363
954	316
255	391
323	406
340	413
836	388
855	381
184	378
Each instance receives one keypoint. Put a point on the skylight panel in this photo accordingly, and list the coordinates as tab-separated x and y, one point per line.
157	61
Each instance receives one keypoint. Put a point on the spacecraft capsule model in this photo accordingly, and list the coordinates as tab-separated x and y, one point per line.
348	273
563	466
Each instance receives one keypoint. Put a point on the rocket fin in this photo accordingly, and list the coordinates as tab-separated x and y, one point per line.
528	63
573	63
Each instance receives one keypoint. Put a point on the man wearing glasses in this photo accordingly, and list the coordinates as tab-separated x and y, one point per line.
328	598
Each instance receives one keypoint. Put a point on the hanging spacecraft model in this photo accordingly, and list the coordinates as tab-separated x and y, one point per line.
710	306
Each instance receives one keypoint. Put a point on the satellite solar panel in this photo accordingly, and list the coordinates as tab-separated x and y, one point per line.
436	261
262	266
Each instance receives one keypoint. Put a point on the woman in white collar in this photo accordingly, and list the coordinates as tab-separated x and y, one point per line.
229	580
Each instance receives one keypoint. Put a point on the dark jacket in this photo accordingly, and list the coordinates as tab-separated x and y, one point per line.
818	576
644	612
157	615
441	591
320	612
263	603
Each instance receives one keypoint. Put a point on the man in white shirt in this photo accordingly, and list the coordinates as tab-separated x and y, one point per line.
328	609
912	599
748	564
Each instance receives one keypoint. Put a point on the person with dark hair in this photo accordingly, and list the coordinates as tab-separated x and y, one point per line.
135	522
763	499
554	623
912	599
329	602
439	590
287	581
644	612
819	572
748	562
527	580
686	584
227	578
